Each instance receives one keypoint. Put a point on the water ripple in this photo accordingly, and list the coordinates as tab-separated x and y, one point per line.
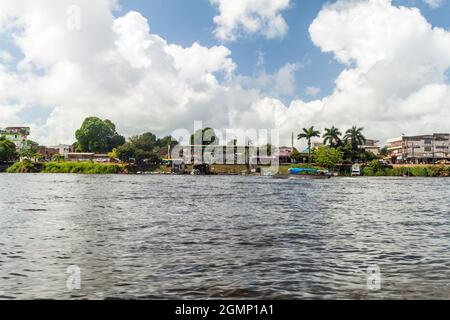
162	237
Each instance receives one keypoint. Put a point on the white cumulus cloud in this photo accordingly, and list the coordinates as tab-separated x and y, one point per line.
394	79
434	3
312	91
246	17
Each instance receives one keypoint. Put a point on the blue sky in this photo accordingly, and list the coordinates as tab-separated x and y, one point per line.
184	22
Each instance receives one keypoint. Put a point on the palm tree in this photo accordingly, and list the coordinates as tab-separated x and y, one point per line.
355	138
308	134
332	136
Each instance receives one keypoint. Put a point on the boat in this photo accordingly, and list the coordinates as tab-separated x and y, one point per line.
304	173
356	170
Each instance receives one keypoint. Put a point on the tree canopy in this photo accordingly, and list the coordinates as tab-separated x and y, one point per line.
355	138
143	148
205	137
327	156
96	135
308	134
29	149
7	150
332	136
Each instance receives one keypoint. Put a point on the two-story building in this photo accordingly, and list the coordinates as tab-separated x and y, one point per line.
17	135
419	149
371	145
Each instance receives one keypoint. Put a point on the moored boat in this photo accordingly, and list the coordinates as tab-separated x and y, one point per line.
304	173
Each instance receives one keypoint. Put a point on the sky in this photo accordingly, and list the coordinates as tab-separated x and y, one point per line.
159	66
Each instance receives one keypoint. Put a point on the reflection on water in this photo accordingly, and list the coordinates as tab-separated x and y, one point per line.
223	237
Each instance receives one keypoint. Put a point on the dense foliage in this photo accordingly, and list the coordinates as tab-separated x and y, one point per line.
308	134
375	168
66	167
7	150
22	167
343	150
144	148
328	157
29	149
99	136
205	137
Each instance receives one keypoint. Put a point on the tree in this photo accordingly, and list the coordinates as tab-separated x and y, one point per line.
332	136
58	158
204	137
308	134
355	138
367	156
167	141
296	156
127	152
96	135
328	157
146	141
374	168
29	149
113	154
346	151
7	150
141	148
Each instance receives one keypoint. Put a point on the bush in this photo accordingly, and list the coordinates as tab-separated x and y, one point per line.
21	167
66	167
82	168
418	171
374	168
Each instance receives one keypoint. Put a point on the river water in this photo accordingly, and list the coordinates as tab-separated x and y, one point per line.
159	237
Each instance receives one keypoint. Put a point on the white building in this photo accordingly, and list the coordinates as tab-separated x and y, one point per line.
419	149
64	149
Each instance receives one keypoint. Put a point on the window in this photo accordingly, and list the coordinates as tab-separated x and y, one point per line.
427	141
427	149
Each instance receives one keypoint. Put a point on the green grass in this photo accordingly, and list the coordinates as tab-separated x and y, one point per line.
66	167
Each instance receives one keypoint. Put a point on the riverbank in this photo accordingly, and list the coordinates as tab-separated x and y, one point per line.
67	167
114	168
408	171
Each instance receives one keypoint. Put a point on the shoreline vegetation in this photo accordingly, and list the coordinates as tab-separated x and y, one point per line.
66	167
373	169
147	153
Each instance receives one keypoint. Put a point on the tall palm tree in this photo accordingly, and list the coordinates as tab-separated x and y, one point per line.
308	134
332	136
355	138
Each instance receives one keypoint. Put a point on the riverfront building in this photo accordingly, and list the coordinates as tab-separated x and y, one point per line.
17	135
232	154
371	146
419	149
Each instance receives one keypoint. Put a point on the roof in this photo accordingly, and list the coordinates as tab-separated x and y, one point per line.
17	127
81	154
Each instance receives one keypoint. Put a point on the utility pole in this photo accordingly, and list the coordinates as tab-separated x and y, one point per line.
432	150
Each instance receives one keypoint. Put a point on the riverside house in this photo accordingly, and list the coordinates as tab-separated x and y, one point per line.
88	156
371	146
425	149
17	135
